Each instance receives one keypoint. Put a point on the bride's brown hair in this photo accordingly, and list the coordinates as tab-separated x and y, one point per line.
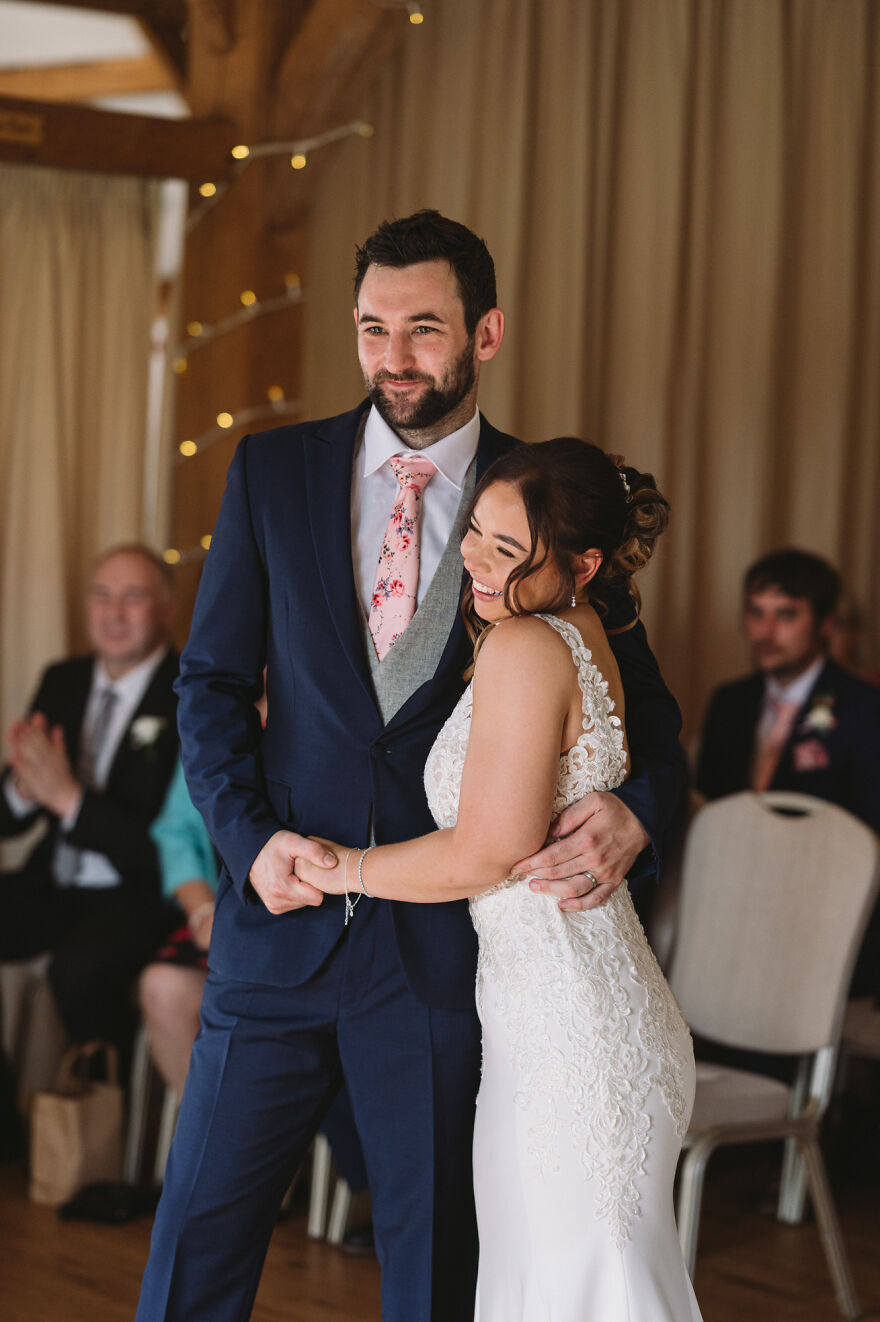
576	497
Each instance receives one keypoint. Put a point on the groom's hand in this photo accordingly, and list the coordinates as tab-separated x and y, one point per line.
597	835
272	876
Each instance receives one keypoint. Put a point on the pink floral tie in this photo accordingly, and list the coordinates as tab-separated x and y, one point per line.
397	577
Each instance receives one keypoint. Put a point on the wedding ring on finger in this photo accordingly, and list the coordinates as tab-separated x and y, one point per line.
591	876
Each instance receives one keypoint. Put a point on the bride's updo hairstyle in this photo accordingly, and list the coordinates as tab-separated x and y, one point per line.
576	498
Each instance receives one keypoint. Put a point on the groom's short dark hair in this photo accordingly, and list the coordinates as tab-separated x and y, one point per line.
426	236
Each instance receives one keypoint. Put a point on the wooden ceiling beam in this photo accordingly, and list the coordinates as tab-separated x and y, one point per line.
168	40
333	61
81	138
83	82
158	11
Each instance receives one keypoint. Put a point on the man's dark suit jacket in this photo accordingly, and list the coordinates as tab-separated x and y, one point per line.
834	757
278	589
114	821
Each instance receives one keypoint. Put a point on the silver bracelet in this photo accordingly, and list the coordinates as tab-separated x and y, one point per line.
349	906
364	890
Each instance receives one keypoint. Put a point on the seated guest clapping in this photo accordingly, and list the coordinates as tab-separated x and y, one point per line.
94	757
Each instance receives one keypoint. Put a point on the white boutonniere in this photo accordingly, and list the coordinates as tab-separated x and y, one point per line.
820	718
146	730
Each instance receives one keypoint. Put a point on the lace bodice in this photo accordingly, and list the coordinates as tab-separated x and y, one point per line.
588	1018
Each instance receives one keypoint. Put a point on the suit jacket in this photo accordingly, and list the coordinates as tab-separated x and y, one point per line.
833	751
114	821
278	589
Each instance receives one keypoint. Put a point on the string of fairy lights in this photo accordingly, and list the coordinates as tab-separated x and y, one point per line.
199	334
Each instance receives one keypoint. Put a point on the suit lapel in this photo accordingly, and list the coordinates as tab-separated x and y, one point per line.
72	722
328	460
492	444
155	702
824	683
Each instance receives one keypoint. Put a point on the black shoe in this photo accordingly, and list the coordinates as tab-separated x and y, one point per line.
359	1243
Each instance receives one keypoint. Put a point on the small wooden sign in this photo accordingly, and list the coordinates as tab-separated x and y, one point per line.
20	126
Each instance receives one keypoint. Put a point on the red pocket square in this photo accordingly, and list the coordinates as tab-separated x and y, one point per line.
811	755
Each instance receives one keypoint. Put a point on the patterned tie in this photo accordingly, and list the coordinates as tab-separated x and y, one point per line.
65	865
94	742
397	576
770	747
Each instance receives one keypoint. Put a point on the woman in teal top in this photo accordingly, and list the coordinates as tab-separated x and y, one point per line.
170	989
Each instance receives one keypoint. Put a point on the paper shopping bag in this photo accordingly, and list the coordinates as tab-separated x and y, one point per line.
76	1130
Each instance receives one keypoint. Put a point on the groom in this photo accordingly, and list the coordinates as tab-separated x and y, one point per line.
296	999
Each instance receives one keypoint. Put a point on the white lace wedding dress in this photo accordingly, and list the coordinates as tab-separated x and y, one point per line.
588	1075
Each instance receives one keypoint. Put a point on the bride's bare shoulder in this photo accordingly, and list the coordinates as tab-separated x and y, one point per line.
524	643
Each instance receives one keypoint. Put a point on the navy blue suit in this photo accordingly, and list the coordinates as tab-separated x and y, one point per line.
835	758
292	999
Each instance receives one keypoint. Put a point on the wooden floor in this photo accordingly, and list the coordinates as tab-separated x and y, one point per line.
749	1266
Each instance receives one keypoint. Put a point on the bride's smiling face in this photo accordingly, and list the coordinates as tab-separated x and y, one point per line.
497	541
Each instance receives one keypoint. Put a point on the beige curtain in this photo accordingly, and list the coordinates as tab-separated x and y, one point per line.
76	269
683	201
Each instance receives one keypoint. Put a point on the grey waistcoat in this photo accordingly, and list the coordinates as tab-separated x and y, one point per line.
417	652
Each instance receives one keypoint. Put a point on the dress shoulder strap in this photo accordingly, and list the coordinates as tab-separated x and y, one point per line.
598	707
567	631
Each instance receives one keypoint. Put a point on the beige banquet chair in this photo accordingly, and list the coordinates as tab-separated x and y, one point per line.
776	891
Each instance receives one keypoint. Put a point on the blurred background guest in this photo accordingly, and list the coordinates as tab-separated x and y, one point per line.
94	757
800	721
848	642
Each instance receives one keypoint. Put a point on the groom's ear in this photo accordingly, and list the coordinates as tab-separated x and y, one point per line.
488	335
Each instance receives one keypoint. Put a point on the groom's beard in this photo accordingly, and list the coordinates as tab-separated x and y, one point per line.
434	404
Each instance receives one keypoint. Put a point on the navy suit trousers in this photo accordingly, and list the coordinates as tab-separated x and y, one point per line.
265	1067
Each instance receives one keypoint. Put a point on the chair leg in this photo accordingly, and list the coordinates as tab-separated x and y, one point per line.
320	1188
829	1228
690	1198
138	1097
793	1180
167	1124
792	1186
340	1211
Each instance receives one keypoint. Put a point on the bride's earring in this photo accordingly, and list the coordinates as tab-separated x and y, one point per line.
574	600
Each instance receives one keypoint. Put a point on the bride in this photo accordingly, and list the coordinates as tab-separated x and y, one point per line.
588	1073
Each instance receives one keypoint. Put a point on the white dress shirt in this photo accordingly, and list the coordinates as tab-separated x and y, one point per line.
374	489
797	691
86	867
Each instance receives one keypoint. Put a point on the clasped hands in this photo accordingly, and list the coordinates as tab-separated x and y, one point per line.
598	834
38	757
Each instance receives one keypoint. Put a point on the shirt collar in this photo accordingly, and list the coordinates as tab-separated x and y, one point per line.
133	684
799	689
452	454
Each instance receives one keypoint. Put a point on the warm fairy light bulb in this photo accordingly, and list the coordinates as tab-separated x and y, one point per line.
292	280
171	556
207	190
415	14
241	152
298	161
205	542
275	393
187	448
225	419
179	365
366	130
248	298
194	329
